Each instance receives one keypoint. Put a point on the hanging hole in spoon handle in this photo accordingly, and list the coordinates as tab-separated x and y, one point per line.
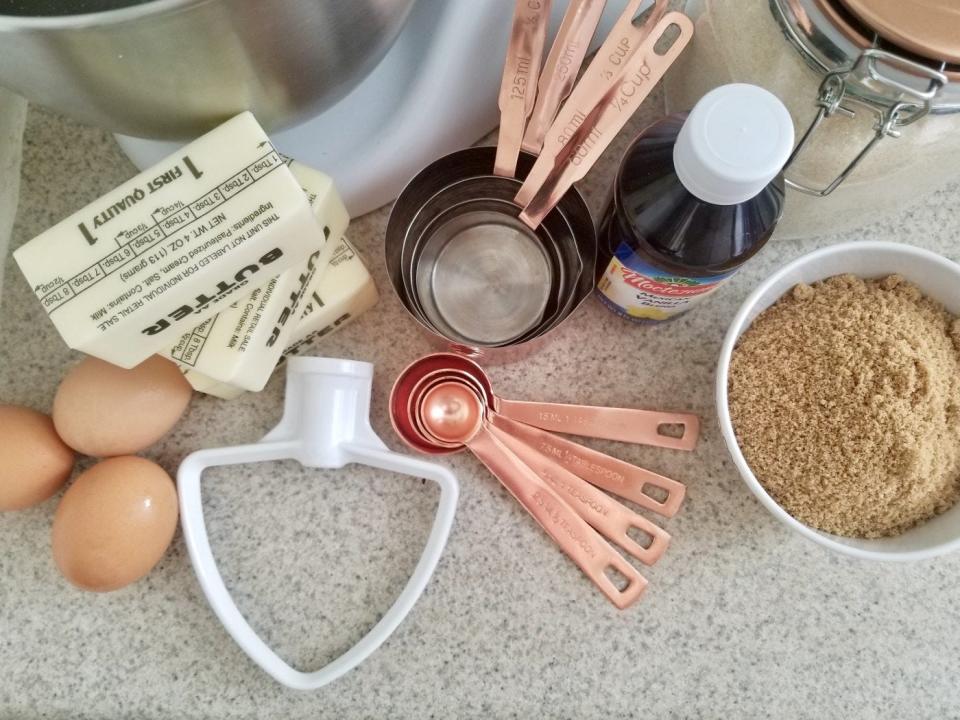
647	489
642	427
607	516
581	543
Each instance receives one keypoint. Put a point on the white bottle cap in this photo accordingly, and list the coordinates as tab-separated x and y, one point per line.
734	142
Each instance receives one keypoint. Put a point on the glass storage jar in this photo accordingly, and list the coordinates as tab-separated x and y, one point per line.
873	87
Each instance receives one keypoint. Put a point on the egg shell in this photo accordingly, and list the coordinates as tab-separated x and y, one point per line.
105	411
114	523
34	461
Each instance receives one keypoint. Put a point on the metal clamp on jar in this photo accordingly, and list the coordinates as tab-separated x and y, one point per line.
893	63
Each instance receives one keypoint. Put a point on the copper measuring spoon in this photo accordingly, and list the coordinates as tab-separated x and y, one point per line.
518	88
609	517
453	413
594	467
621	424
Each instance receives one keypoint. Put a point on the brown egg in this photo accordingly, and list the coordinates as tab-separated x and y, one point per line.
114	523
34	461
103	410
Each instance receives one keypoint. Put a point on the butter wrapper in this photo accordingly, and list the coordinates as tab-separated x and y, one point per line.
242	344
125	276
338	295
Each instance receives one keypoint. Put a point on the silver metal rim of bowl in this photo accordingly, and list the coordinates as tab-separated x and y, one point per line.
737	326
123	12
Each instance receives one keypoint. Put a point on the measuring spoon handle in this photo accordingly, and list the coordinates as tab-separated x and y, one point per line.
610	473
582	544
623	424
610	518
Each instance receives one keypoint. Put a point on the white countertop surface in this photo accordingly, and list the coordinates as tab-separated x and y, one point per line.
743	618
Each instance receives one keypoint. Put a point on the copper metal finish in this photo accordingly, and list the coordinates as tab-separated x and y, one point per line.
402	399
929	28
803	20
633	84
444	402
561	67
608	517
618	47
610	473
606	472
620	424
613	475
451	412
519	85
454	412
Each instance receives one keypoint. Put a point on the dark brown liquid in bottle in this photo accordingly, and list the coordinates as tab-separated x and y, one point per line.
653	215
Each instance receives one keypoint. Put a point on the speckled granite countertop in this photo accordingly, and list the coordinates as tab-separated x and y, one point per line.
743	618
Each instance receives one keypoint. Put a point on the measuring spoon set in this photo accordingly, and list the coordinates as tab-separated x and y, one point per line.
444	402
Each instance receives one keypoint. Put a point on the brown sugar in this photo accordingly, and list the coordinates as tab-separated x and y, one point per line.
845	398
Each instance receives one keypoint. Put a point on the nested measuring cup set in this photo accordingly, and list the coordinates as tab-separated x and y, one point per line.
490	249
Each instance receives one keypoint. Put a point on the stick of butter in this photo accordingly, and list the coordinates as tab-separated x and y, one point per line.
128	274
242	344
337	296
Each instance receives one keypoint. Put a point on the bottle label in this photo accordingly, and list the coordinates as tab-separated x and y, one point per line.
640	291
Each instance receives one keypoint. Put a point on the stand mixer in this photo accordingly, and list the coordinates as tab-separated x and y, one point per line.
434	92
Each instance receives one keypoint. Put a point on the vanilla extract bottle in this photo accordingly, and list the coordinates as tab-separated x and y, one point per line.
696	196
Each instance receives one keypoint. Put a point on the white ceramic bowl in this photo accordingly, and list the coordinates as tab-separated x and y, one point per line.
937	278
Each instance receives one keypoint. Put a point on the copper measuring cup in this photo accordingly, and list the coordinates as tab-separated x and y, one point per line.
518	86
612	87
560	69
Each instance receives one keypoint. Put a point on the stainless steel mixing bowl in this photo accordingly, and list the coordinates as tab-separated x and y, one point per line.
172	69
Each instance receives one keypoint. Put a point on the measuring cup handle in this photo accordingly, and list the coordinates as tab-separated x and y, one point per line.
581	543
198	545
622	424
518	86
